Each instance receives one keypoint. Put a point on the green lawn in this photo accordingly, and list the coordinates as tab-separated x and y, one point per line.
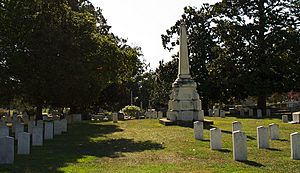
147	146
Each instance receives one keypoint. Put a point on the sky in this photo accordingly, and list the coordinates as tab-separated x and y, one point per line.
143	21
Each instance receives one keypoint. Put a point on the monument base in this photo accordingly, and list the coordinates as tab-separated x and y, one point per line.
167	122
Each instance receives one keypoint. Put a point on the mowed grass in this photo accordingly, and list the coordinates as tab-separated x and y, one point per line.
147	146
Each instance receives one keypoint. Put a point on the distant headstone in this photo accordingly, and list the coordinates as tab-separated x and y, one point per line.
198	130
64	125
236	126
19	128
242	112
222	113
239	140
31	125
159	114
23	143
259	113
216	112
7	150
48	134
215	139
4	131
210	112
274	131
40	124
57	127
295	143
69	119
285	118
115	117
268	112
37	136
76	118
262	137
296	117
250	112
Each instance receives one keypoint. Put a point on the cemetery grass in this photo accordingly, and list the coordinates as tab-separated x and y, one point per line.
147	146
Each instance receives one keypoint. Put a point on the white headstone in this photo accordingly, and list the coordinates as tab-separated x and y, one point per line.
76	118
23	143
285	118
198	130
31	125
4	131
115	117
274	131
216	112
268	112
295	146
239	140
222	113
57	127
262	137
259	113
236	126
7	150
48	134
37	136
19	128
215	139
296	117
250	112
64	125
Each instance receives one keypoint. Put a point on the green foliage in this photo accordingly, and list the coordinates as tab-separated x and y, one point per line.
132	110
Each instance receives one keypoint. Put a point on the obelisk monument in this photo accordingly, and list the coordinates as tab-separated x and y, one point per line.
184	103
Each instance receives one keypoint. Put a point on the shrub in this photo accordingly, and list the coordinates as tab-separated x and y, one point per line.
132	111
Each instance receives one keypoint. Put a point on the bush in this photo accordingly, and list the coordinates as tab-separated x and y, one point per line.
132	111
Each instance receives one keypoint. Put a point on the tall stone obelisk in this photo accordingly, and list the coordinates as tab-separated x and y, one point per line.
184	103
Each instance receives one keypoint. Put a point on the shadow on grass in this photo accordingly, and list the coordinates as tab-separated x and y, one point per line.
229	132
224	151
77	144
252	163
273	149
282	140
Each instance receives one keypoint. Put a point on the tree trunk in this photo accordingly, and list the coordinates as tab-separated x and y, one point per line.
205	106
262	104
39	111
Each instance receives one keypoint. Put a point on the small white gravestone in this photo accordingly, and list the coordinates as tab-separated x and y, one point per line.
48	134
216	112
262	137
295	143
31	125
37	136
285	118
210	112
268	112
296	117
222	113
259	113
40	124
159	114
4	131
7	150
250	112
64	125
115	117
242	112
19	128
274	131
215	139
236	126
198	130
76	118
57	127
239	140
23	143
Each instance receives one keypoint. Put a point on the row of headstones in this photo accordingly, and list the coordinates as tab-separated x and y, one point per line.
216	113
154	114
37	132
239	139
251	112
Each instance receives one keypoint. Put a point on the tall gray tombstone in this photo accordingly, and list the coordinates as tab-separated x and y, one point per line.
274	131
210	112
48	133
57	127
64	125
7	150
222	113
31	125
198	130
239	140
115	117
19	128
259	113
295	146
4	131
215	139
24	143
285	118
236	126
37	136
262	137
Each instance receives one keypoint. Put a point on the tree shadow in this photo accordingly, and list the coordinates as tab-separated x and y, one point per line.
252	163
273	149
224	151
282	140
81	141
